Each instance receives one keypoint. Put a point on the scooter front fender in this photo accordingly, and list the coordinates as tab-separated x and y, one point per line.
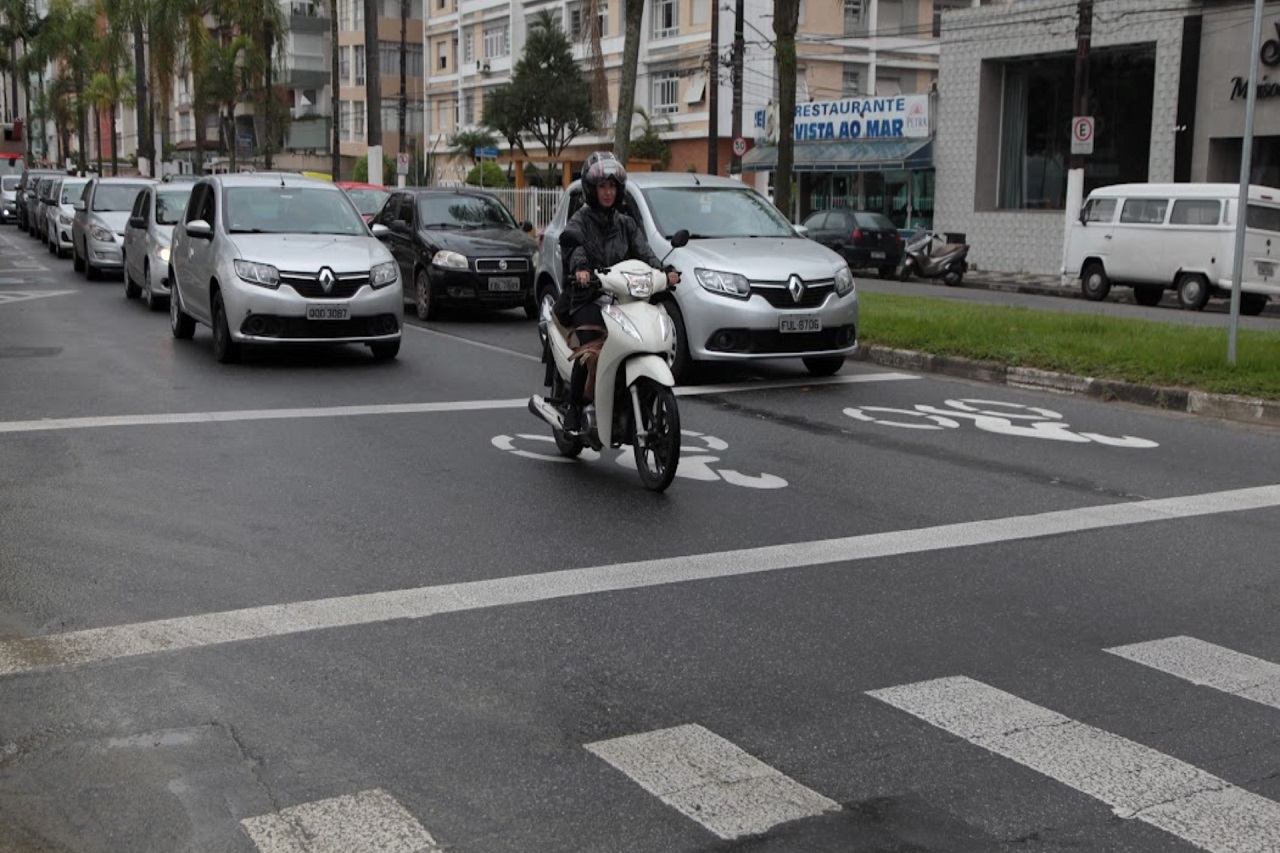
653	366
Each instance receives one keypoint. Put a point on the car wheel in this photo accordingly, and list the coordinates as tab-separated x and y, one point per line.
182	324
678	359
531	304
77	263
1149	296
1193	291
1094	283
225	350
422	301
153	302
385	350
823	365
131	290
1253	304
90	271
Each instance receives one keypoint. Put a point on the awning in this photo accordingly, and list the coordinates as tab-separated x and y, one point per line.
846	155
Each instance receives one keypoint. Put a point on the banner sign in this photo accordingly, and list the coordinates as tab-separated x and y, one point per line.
891	117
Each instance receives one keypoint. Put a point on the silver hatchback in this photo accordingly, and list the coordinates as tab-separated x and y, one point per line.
752	287
279	258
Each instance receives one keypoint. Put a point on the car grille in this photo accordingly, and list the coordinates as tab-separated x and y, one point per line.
345	284
777	294
495	265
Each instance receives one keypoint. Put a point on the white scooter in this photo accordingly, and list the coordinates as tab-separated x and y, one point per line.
634	403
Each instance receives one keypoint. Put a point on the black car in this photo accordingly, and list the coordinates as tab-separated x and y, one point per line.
862	238
459	247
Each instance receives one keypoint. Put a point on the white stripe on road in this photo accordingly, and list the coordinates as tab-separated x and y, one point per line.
367	822
709	780
171	418
188	632
1209	665
23	295
1135	780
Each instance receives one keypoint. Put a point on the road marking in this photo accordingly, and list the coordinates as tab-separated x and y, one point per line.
171	418
1210	666
709	780
368	822
189	632
7	296
1134	780
480	344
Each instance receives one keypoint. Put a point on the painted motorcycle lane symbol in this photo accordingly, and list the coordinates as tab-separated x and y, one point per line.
698	453
992	416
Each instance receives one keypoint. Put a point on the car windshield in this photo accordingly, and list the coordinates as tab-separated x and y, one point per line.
171	203
109	197
71	191
463	211
368	201
10	182
277	209
715	212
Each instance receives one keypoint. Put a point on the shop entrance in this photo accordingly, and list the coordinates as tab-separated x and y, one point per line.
1264	164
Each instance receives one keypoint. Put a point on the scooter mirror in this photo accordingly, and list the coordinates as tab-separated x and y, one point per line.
680	238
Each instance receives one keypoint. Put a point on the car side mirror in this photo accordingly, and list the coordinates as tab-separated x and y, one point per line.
137	222
1084	219
802	230
379	230
680	238
526	226
78	205
200	228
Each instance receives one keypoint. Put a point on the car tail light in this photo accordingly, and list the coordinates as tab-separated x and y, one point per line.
856	236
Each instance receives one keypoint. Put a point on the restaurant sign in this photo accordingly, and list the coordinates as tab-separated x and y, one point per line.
893	117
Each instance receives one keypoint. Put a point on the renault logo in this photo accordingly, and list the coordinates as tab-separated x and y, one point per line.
796	286
502	264
326	279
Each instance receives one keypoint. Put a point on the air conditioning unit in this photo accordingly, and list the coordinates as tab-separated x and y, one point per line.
483	67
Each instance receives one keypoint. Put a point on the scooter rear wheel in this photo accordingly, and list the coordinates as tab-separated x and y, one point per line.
657	439
568	445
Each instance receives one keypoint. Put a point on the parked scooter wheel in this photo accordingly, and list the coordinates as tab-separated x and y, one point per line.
952	278
906	269
657	439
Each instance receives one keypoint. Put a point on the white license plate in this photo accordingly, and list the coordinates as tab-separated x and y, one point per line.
878	256
328	312
799	323
505	283
1265	270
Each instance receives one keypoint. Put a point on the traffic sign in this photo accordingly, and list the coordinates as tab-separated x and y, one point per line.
402	164
1082	135
486	153
739	146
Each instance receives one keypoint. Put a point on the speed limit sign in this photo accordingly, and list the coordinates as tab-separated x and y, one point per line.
1082	135
739	146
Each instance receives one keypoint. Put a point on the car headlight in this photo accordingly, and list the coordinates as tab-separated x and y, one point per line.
450	260
622	320
63	219
263	275
384	274
844	281
163	254
102	235
727	283
639	284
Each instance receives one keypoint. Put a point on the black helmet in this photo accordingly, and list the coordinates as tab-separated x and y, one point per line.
600	167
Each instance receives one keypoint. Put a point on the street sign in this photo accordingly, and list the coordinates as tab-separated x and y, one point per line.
1082	135
739	146
402	164
486	153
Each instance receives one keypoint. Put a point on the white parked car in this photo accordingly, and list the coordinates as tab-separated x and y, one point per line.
97	229
146	241
59	216
275	258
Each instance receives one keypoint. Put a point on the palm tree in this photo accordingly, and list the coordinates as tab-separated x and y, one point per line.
224	85
465	142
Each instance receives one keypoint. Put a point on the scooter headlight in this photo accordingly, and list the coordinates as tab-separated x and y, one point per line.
639	285
614	313
844	282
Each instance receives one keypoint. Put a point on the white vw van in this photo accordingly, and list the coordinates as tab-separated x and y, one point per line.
1157	237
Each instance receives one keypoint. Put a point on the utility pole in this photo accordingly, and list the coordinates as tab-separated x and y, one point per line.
735	165
373	90
713	96
1080	96
404	100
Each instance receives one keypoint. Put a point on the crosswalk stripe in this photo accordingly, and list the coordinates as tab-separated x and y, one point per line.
1137	782
368	822
275	620
709	780
1210	666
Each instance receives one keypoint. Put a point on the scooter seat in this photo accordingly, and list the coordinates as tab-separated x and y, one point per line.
949	249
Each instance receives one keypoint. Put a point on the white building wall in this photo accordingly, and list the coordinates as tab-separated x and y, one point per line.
1030	241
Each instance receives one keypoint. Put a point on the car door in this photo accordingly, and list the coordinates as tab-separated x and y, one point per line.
135	242
392	217
817	230
196	267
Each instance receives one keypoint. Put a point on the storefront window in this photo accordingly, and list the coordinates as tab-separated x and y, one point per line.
1035	145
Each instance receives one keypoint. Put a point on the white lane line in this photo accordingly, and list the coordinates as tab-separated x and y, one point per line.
368	822
1209	665
171	418
709	780
1137	782
189	632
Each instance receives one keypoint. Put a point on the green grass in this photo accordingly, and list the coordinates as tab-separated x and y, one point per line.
1155	353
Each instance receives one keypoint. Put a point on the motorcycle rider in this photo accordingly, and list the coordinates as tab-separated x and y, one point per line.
598	235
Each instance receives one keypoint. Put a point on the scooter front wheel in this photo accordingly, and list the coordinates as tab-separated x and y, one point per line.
657	439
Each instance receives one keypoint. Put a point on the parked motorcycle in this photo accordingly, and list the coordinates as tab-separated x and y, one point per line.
928	255
634	402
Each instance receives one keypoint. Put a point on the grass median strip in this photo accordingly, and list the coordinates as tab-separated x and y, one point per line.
1141	351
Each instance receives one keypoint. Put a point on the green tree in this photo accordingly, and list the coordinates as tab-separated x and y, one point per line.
506	115
650	145
361	173
225	85
465	142
493	175
547	79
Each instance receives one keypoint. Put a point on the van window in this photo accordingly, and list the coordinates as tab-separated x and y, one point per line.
1148	211
1099	210
1195	212
1263	218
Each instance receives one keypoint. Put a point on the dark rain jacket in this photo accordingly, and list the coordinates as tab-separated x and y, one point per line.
593	239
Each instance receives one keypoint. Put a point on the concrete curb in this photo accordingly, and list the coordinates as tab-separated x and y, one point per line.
1249	410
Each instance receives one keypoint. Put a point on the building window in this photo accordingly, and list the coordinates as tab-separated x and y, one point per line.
344	66
853	15
468	108
577	20
442	55
389	59
666	94
468	47
851	83
1035	149
359	57
666	18
497	41
357	120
